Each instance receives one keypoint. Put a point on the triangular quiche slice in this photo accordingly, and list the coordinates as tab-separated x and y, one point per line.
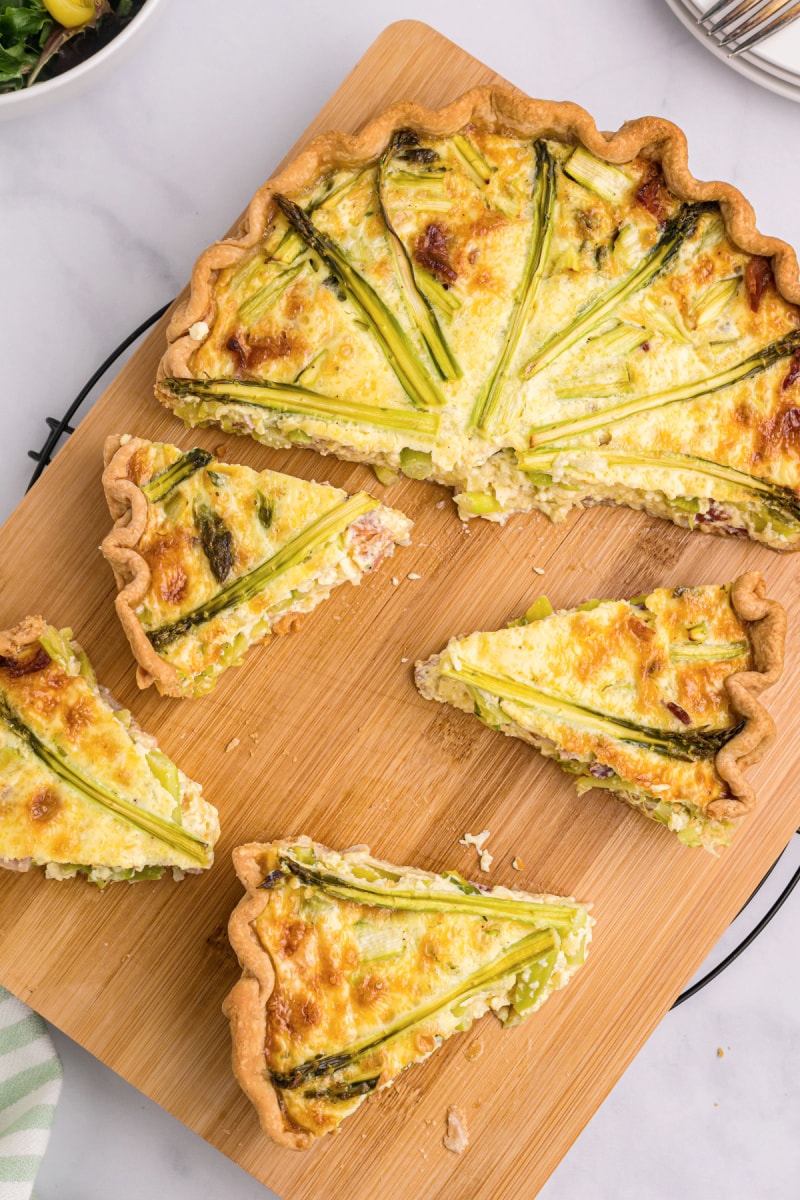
83	789
498	297
654	698
354	969
212	557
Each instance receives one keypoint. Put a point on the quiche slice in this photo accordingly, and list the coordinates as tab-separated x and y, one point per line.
354	968
212	557
655	699
500	298
84	790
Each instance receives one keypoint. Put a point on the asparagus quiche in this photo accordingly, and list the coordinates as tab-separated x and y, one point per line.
84	790
498	297
654	699
212	557
354	968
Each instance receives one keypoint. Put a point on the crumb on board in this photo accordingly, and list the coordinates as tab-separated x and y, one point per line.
720	1052
474	1050
478	840
439	504
457	1137
517	864
539	570
232	744
413	575
485	860
403	660
254	736
395	581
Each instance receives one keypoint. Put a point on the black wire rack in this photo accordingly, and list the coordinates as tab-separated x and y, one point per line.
60	427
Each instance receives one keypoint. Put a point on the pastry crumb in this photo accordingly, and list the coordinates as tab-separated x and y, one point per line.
198	331
395	581
517	864
720	1052
478	840
413	575
232	744
403	660
485	860
439	504
538	570
473	1051
457	1137
254	736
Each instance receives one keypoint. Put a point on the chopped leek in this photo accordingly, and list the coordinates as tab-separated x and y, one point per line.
471	159
384	326
608	182
669	326
436	292
478	504
707	651
755	364
490	410
297	550
687	746
676	232
259	304
385	475
291	398
89	789
712	303
416	464
161	484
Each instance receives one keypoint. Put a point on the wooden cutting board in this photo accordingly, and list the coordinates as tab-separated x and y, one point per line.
334	741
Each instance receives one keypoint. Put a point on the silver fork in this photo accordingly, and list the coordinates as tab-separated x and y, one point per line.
759	18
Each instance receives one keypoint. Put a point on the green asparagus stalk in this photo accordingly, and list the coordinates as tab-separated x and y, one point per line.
319	533
511	962
707	651
755	364
174	836
386	329
688	746
162	484
293	398
676	232
490	409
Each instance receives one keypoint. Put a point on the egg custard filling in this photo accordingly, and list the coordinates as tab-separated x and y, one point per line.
213	557
653	699
83	789
354	969
509	315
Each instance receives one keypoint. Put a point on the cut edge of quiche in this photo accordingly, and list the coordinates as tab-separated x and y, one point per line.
84	790
412	957
603	689
187	606
553	473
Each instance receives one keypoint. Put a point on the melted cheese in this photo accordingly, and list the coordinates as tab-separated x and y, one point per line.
636	663
305	329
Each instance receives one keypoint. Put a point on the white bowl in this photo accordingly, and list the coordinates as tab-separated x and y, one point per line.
42	95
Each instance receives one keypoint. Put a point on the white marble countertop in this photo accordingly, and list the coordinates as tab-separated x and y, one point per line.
106	200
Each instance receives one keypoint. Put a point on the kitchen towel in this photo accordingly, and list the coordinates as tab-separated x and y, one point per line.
30	1082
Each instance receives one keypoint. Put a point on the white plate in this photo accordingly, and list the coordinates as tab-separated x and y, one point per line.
775	64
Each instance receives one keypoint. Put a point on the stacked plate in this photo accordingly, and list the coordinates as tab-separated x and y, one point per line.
775	63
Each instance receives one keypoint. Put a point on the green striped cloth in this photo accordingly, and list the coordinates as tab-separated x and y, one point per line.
30	1081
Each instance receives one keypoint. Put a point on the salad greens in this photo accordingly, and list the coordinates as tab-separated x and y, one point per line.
34	45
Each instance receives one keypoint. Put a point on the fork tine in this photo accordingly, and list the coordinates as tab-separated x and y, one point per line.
712	12
777	23
754	20
741	10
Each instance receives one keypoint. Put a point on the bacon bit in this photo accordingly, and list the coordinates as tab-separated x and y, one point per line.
645	346
757	274
457	1136
430	250
15	668
174	583
44	805
250	356
651	197
792	376
678	712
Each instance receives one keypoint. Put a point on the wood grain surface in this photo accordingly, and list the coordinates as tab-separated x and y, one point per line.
335	742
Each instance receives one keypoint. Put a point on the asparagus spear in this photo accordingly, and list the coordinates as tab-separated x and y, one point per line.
474	903
239	591
753	488
162	484
755	364
489	409
174	836
417	302
511	962
688	746
676	232
389	334
293	398
707	651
